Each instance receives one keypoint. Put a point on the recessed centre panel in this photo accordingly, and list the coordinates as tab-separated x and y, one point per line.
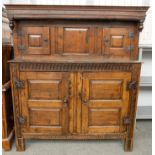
47	116
44	89
104	116
76	40
105	89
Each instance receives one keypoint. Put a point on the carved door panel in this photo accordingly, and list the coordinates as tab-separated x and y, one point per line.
71	40
117	42
45	102
105	101
34	40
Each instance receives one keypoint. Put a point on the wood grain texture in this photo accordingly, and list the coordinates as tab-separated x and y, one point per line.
14	68
76	39
105	113
79	72
46	103
76	12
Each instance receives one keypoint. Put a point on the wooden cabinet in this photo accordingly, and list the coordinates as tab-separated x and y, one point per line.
75	74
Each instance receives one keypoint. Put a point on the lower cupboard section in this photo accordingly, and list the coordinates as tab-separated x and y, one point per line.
74	105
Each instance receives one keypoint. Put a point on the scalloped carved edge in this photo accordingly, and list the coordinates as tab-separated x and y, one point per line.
75	67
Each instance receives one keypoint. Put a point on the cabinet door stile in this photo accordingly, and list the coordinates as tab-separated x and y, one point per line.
78	101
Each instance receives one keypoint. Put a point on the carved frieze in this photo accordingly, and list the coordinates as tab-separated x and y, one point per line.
75	67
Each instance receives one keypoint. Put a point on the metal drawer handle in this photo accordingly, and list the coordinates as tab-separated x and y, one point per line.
46	40
65	101
84	101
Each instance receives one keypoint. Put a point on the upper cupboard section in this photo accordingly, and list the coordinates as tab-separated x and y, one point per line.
77	40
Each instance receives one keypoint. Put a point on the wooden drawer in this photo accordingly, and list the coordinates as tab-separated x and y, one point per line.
76	40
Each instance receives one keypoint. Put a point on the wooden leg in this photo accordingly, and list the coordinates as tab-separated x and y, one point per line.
20	144
128	145
7	142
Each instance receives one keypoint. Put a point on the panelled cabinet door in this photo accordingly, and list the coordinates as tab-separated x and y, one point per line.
34	40
44	102
72	40
105	101
117	42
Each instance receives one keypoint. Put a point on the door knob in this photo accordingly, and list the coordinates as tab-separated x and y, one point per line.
85	101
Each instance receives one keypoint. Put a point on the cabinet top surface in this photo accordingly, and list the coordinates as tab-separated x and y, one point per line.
76	12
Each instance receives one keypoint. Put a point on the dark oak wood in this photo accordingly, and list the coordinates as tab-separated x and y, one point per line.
76	72
76	40
76	12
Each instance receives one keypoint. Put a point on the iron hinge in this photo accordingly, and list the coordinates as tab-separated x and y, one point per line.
21	48
19	84
131	34
129	48
21	120
20	33
132	85
126	121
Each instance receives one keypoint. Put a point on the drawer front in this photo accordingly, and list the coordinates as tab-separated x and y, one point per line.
44	102
105	101
76	41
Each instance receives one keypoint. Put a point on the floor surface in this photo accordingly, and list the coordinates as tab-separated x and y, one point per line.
142	145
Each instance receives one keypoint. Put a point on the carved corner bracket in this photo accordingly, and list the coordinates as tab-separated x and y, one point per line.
11	24
141	25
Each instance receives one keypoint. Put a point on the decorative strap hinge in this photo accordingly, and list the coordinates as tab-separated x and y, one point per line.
21	48
131	35
129	48
21	120
19	84
20	33
132	85
126	121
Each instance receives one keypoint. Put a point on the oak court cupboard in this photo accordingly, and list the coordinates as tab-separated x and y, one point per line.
75	71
